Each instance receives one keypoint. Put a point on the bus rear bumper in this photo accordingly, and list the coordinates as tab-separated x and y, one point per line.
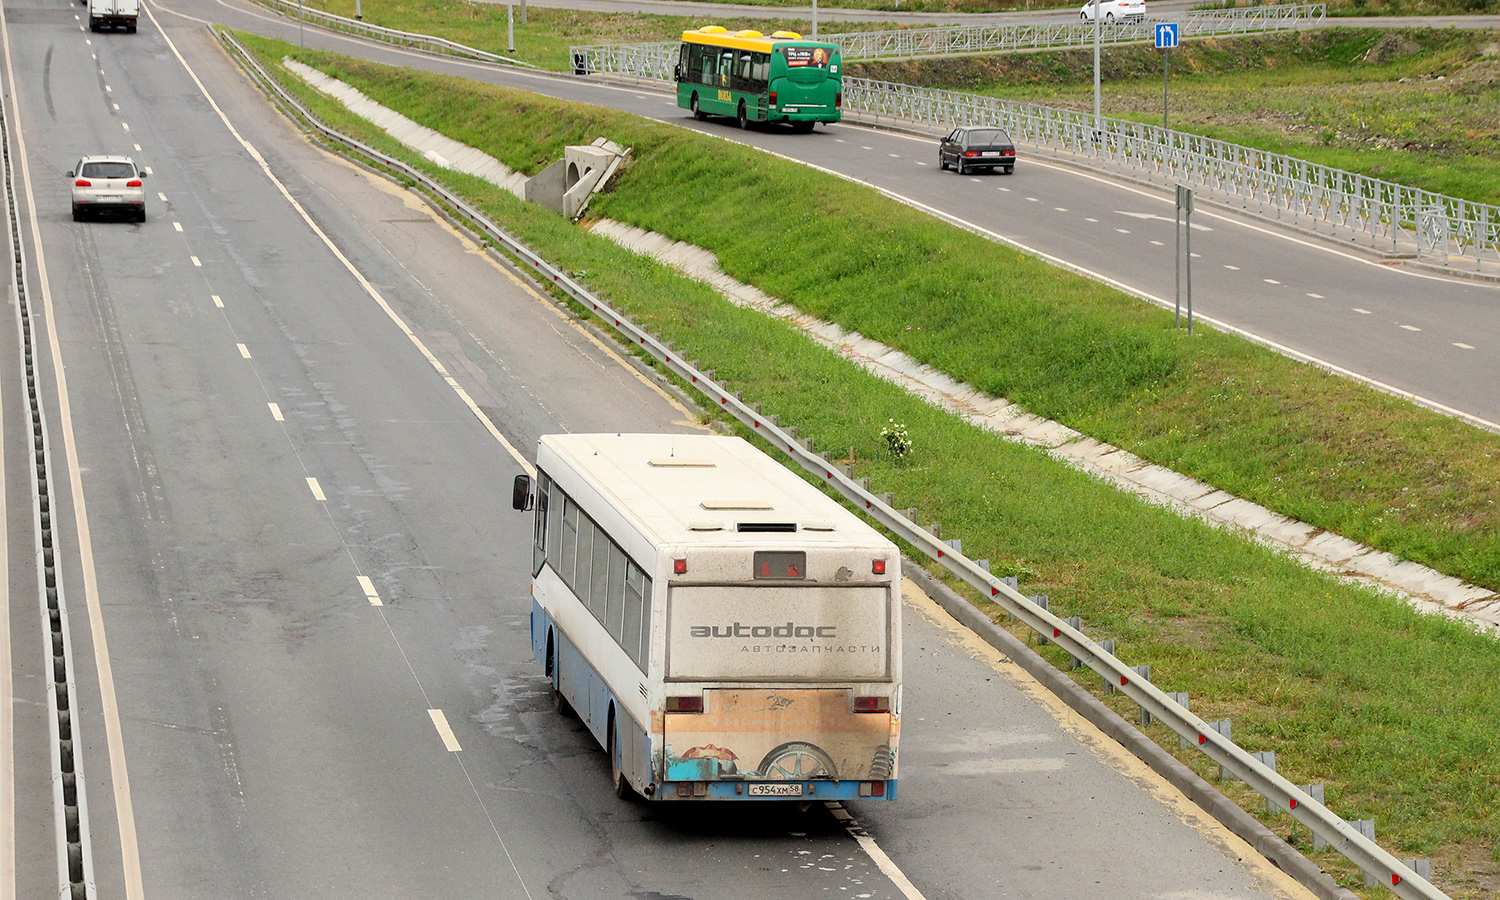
805	791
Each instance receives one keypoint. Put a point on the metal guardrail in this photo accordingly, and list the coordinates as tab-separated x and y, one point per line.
999	38
390	35
1278	791
654	60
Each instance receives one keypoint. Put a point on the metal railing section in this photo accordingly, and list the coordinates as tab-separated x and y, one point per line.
1430	224
999	38
416	41
945	40
1279	792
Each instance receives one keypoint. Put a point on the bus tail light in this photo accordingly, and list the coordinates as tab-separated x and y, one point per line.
838	100
773	99
685	704
872	789
679	567
877	566
872	704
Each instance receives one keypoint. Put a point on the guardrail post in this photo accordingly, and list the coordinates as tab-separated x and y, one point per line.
1365	827
1221	726
1314	791
1422	867
1075	622
956	543
1266	758
1040	600
983	564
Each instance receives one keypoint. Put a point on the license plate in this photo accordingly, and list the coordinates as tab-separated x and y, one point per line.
776	790
108	198
990	153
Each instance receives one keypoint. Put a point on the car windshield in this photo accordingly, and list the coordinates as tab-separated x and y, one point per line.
107	170
988	136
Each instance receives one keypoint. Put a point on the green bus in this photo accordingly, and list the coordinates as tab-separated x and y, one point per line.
755	78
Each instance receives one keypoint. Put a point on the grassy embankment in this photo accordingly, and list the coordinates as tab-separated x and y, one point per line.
1396	712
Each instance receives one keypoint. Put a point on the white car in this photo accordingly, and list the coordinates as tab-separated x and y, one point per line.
108	184
1115	11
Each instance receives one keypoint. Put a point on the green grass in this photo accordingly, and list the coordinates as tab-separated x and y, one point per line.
1395	711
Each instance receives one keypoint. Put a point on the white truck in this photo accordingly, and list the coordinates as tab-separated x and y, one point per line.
114	14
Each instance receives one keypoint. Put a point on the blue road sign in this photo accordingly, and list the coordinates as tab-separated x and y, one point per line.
1166	35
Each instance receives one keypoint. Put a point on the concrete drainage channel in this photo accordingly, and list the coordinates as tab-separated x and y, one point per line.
75	863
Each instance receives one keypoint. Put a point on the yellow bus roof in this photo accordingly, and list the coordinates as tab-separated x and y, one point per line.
718	36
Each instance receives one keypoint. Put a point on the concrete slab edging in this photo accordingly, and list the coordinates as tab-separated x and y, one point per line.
1203	794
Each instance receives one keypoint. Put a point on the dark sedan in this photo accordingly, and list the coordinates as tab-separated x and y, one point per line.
971	147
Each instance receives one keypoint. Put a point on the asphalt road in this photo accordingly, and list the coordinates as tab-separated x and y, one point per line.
271	402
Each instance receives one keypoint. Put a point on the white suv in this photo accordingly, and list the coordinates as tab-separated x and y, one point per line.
108	184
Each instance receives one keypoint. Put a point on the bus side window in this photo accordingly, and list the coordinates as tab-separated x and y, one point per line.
645	656
634	578
617	567
630	628
726	67
744	70
539	532
554	522
598	591
695	67
569	544
760	70
585	558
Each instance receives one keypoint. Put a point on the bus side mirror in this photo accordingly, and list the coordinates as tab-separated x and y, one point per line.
520	493
677	73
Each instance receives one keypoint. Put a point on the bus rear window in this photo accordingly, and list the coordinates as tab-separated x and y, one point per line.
801	57
780	564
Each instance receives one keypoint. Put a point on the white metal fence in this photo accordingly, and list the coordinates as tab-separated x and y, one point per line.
647	60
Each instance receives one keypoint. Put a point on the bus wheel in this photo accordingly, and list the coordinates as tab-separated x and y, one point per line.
617	777
744	119
697	113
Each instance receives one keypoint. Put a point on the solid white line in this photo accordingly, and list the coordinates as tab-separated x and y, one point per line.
368	586
244	351
130	856
276	412
877	855
440	721
317	489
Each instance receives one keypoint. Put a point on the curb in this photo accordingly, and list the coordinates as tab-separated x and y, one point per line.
1203	794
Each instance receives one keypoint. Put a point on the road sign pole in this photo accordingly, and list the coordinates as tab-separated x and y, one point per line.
1166	63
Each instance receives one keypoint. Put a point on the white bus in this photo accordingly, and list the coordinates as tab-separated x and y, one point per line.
724	629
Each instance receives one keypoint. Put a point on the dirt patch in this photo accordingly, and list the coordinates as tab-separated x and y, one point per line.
1392	46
